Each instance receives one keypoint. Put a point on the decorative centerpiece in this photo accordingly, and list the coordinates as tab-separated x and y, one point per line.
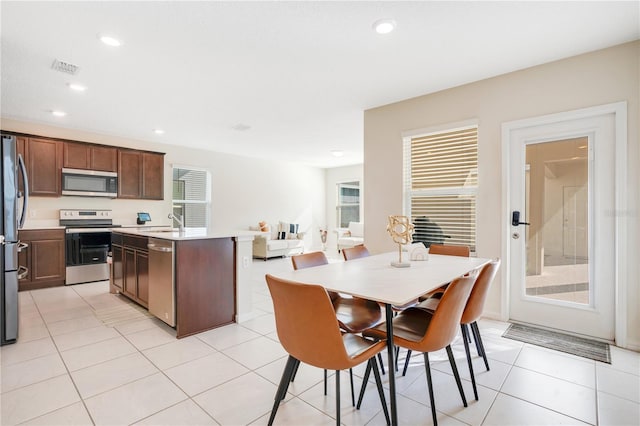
323	238
400	228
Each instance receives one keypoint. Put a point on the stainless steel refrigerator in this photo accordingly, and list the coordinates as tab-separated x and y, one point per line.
13	215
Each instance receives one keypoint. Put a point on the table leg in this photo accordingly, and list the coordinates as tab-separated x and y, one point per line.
391	370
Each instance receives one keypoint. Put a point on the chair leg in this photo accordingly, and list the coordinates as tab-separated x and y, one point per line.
397	356
338	397
406	362
295	372
452	361
353	396
376	373
476	335
365	380
465	335
468	334
325	382
282	388
381	363
430	386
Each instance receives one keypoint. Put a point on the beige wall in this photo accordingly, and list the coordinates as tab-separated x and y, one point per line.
597	78
244	190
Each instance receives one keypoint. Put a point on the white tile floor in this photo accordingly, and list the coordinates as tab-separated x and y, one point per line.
71	367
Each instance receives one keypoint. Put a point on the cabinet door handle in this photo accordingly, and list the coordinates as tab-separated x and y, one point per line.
22	246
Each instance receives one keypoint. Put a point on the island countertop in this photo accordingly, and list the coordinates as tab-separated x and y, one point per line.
174	234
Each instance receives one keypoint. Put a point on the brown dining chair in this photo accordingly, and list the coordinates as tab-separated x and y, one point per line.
428	331
358	252
307	329
355	252
354	314
462	251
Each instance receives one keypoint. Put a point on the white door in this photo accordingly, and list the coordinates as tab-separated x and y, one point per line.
562	264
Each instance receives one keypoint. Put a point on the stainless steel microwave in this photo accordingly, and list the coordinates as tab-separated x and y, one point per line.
89	183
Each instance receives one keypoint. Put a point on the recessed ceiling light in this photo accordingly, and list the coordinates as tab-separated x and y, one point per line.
337	153
158	131
77	87
59	113
110	40
384	26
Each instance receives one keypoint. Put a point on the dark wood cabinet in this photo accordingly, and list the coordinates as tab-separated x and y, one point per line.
205	284
44	257
117	262
130	269
90	157
129	174
140	175
152	176
44	165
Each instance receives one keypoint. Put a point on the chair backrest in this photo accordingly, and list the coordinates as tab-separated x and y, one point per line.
462	251
307	260
475	304
355	252
306	324
445	322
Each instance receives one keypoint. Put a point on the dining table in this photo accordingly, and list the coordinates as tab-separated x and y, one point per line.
374	278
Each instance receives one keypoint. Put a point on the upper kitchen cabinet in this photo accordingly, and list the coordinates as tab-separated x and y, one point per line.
140	175
152	176
44	165
90	157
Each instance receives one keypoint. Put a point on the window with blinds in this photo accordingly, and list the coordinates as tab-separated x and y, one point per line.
191	196
441	182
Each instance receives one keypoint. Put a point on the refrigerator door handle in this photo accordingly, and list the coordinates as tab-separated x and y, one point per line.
25	180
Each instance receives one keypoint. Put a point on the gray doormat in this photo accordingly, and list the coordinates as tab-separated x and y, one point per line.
586	348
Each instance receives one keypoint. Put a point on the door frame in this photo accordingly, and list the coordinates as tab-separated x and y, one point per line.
619	110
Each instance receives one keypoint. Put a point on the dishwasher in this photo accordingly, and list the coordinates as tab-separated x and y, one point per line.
162	291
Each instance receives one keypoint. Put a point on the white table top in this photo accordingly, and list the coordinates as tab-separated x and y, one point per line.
374	278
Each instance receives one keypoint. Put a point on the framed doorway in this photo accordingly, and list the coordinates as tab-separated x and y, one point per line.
564	175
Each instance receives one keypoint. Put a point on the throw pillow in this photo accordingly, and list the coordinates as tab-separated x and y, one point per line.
264	226
288	231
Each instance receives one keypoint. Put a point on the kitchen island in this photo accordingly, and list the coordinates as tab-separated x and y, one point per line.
189	279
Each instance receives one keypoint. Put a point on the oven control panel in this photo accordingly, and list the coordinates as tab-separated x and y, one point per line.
85	214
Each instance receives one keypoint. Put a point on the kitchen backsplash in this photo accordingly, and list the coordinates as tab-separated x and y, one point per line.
44	211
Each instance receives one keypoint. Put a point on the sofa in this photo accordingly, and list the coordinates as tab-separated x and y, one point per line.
279	240
351	236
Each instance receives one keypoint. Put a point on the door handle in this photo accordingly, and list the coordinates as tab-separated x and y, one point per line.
22	272
515	219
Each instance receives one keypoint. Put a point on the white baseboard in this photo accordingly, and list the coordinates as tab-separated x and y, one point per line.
245	317
492	315
633	345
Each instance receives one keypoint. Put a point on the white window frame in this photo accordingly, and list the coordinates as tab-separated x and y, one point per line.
339	205
207	199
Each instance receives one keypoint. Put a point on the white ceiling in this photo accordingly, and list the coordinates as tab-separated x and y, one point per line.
299	73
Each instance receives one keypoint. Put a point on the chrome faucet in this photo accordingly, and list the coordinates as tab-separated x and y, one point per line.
179	220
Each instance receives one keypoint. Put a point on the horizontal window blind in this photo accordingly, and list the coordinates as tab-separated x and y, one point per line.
441	181
190	196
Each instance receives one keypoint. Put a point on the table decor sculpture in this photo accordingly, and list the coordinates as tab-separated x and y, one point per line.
400	228
417	251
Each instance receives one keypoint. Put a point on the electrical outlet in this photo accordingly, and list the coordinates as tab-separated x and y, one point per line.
245	262
32	213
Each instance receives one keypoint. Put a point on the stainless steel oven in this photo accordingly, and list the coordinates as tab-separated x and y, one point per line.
87	244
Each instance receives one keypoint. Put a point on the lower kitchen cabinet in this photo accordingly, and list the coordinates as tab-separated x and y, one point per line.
130	269
43	257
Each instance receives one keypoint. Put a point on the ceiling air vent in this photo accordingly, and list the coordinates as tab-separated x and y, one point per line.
62	66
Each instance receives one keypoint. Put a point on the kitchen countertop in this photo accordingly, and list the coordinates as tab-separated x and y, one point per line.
188	234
